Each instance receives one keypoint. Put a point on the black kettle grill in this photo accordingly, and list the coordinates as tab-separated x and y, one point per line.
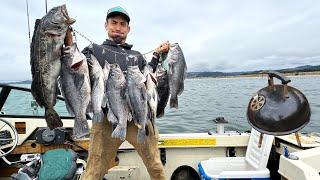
278	109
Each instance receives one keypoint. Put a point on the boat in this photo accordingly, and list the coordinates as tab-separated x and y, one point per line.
181	153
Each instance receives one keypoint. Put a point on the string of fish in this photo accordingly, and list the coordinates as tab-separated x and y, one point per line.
128	56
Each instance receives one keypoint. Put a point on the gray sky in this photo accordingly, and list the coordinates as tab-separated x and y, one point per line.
215	35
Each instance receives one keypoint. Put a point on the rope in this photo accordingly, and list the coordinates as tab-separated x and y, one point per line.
82	35
110	50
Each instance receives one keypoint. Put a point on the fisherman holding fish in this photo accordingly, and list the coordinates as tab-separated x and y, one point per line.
105	137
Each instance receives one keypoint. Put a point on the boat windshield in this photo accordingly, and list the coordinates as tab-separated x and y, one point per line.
22	103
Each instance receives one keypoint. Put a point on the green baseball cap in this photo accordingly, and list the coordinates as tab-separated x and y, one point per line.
118	11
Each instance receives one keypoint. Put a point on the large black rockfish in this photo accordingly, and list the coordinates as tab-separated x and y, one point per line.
46	48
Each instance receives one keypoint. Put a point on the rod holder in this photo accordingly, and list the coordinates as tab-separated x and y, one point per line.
220	121
298	138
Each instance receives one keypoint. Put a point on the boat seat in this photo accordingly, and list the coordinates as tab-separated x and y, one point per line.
252	166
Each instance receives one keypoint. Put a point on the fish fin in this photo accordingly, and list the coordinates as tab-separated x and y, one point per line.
106	69
35	91
160	113
148	97
59	83
79	80
119	132
89	107
135	120
53	119
123	91
104	100
181	89
147	129
170	70
129	102
105	110
113	127
154	115
156	96
174	102
90	61
141	136
144	94
111	117
58	89
150	113
143	79
147	69
153	78
129	116
98	117
163	101
81	128
32	46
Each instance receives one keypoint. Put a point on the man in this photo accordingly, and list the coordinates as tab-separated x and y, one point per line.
103	148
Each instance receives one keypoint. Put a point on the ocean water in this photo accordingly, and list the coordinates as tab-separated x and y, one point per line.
202	101
205	99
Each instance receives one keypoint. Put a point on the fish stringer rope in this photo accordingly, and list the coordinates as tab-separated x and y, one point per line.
110	50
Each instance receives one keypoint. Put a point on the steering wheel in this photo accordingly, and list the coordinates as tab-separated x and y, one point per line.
8	138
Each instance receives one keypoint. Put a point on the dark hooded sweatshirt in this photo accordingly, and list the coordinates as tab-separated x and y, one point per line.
118	53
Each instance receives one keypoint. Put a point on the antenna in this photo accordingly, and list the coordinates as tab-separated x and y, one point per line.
28	21
46	6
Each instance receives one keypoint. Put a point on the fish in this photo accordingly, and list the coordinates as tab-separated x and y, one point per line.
137	98
45	53
98	77
163	90
151	86
74	83
176	73
118	109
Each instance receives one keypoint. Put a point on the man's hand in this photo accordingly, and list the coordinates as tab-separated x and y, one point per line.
163	48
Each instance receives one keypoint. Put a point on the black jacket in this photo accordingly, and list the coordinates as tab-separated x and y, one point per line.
118	53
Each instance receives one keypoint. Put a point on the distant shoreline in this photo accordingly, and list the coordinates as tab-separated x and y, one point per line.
314	73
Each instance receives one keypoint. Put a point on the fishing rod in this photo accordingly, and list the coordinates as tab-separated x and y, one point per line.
46	6
28	21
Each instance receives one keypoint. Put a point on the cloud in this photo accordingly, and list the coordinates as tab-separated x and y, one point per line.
215	35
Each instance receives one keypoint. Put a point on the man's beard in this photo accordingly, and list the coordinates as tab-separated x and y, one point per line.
119	39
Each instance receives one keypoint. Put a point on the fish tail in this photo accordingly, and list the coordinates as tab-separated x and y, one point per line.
141	136
160	112
119	132
98	117
53	119
174	102
81	128
111	117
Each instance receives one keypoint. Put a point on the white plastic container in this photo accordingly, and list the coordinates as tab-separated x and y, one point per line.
252	166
